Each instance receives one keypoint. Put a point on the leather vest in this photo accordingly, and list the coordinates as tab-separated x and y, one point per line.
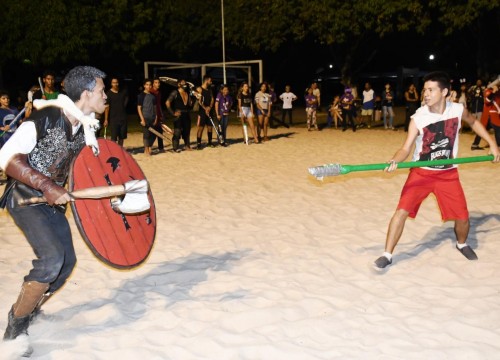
56	148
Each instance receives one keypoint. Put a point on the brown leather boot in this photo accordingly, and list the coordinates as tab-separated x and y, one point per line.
19	316
38	308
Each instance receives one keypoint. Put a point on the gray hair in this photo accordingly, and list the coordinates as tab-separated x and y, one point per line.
81	78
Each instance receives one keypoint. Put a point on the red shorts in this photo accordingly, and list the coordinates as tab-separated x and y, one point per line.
444	184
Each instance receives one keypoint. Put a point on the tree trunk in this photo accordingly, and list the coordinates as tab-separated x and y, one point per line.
345	72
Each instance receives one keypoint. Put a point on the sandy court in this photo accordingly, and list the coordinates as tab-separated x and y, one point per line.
254	259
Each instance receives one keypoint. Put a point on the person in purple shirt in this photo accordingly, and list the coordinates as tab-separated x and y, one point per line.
223	104
348	110
311	108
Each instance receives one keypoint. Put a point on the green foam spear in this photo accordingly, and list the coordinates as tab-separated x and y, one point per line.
337	169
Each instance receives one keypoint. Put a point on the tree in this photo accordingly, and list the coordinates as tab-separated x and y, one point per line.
352	29
56	31
476	24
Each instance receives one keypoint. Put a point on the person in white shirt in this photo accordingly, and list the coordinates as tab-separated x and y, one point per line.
368	105
317	93
38	160
288	98
433	134
263	105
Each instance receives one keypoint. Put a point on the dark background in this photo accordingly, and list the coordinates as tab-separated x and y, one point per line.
464	54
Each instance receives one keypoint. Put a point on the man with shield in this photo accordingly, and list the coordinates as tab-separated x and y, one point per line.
37	160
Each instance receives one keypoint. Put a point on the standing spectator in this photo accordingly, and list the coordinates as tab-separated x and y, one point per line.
412	103
115	115
272	93
179	103
273	98
288	98
316	92
155	90
206	102
368	105
223	104
387	103
7	114
49	91
245	110
263	104
146	108
311	108
491	109
348	110
476	94
273	108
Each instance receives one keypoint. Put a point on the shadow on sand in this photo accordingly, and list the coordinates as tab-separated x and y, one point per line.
437	235
171	282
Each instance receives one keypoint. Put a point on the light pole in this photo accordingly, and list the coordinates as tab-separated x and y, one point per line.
223	42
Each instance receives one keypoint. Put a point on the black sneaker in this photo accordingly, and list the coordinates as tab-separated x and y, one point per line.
476	147
198	147
381	263
468	252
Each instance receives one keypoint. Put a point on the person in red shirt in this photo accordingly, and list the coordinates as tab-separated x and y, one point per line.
491	108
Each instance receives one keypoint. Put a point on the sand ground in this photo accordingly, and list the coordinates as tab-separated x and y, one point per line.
254	259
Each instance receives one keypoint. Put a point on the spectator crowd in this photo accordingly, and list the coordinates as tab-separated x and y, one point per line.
255	112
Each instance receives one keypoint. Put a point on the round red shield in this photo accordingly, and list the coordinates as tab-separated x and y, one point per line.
120	240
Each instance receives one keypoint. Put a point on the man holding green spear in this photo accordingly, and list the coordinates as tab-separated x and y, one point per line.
434	130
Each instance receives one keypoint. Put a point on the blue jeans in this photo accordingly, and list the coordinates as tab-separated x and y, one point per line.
48	232
224	119
387	110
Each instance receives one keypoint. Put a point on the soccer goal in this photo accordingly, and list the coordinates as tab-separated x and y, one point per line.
233	72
